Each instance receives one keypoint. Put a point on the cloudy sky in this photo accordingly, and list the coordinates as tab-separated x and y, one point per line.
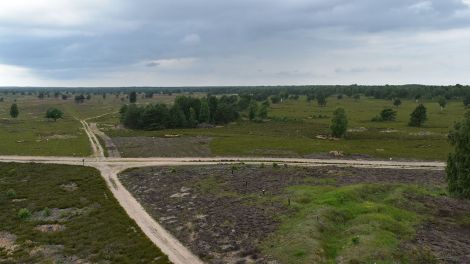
240	42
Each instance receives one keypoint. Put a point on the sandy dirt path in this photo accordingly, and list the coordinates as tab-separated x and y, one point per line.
113	151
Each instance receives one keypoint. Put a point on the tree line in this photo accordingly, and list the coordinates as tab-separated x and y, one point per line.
189	112
262	93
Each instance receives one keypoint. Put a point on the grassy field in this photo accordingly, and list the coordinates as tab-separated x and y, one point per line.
32	134
294	127
66	214
292	130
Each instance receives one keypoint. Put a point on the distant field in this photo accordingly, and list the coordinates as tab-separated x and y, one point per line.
66	214
32	134
268	213
293	131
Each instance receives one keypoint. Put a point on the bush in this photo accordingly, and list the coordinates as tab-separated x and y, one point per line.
386	115
355	240
47	212
11	193
24	214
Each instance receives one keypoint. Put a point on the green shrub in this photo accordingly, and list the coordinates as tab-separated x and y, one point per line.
24	214
11	194
386	115
47	212
355	240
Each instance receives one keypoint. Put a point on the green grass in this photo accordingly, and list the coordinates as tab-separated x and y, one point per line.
293	130
100	233
32	134
351	224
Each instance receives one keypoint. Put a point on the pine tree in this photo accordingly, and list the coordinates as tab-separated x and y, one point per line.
339	123
418	117
14	112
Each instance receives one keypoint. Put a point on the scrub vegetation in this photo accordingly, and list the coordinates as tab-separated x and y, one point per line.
66	214
271	212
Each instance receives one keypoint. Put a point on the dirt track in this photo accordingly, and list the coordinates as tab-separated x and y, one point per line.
176	252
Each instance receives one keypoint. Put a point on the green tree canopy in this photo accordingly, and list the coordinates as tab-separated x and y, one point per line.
54	113
442	102
418	117
321	99
339	123
458	162
14	112
252	110
204	115
397	102
132	97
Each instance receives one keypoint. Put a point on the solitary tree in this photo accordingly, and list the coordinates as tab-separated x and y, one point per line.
397	102
14	112
418	116
339	123
321	99
133	97
442	102
54	113
458	165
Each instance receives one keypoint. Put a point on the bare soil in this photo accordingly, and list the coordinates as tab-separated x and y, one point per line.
7	242
163	147
50	228
218	215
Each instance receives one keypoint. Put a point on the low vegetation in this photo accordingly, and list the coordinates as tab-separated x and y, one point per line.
66	214
272	212
351	224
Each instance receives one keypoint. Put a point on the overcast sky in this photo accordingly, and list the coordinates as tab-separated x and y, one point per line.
239	42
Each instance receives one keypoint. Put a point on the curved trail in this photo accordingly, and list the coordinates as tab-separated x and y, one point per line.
177	253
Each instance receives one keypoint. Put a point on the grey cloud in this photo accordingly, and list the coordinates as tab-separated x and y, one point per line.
290	36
